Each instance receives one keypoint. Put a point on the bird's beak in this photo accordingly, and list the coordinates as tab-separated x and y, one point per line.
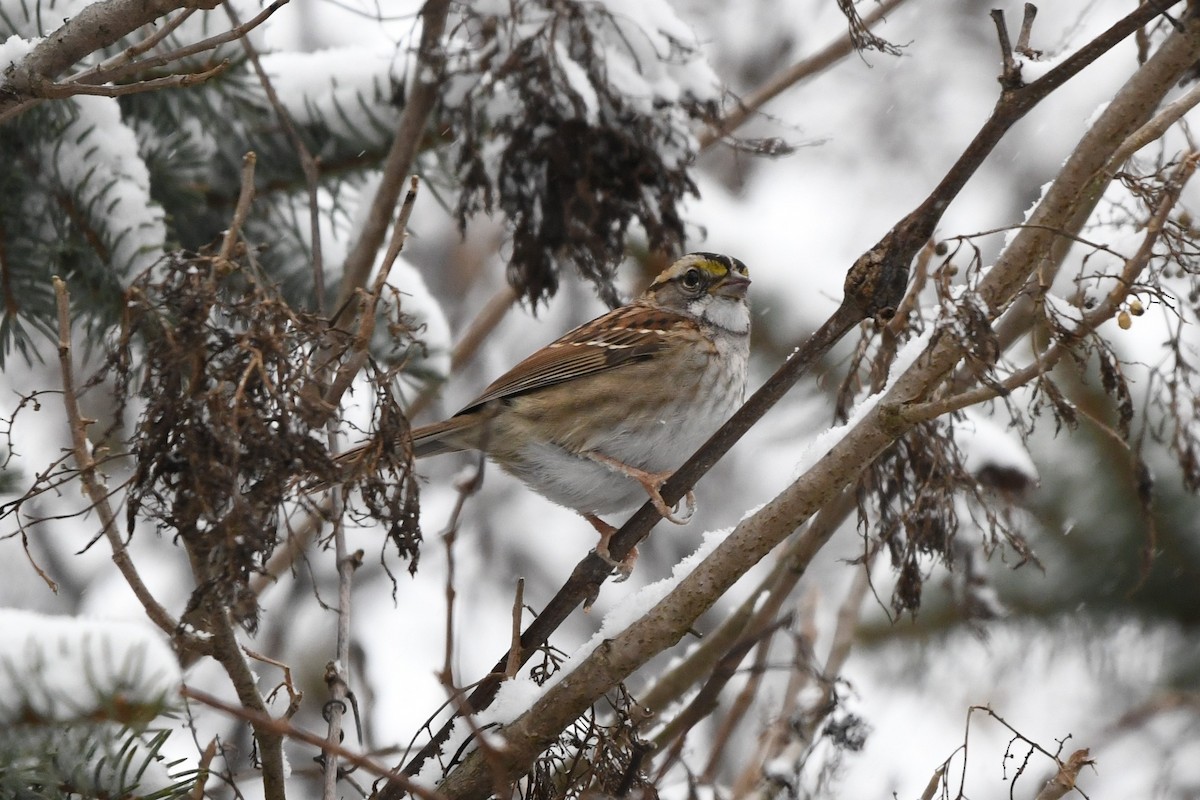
734	285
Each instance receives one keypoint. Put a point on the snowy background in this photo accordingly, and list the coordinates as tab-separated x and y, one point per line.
1081	645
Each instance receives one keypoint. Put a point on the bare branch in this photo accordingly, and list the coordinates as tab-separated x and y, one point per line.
245	198
792	76
427	80
284	728
87	470
514	651
95	26
366	324
1104	311
1026	33
120	66
227	651
1064	780
308	164
60	91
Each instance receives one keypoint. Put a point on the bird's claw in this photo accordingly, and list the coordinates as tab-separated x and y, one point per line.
668	513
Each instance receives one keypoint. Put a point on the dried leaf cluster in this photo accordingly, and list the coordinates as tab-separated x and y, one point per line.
580	161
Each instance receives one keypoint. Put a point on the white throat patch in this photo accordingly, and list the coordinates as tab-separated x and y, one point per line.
726	313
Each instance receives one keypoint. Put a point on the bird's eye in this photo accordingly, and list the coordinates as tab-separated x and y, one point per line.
691	279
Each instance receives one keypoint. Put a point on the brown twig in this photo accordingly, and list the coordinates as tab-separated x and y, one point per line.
122	66
203	767
82	451
1023	38
286	729
466	487
935	781
60	91
514	650
337	672
737	712
428	75
95	27
120	71
1107	308
705	701
792	76
756	611
99	72
366	323
228	653
1064	780
295	696
308	164
245	198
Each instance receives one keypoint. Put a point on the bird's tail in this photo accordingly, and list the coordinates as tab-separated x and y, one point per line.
440	437
429	440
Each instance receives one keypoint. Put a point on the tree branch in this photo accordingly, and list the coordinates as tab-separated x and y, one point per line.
97	493
429	74
95	27
878	427
792	76
874	287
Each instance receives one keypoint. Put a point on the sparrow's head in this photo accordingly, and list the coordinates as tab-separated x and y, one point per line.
707	286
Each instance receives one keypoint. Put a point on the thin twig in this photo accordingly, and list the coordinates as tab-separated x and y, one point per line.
95	27
295	696
428	75
337	672
467	486
284	728
61	91
1026	34
245	198
1010	78
1155	128
737	711
792	76
308	164
120	66
934	782
1102	312
203	767
161	31
514	650
847	619
366	323
228	653
212	42
1064	780
96	492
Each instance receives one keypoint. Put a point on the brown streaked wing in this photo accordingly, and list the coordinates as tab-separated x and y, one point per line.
624	335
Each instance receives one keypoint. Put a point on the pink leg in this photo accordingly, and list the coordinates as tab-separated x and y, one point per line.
651	482
606	531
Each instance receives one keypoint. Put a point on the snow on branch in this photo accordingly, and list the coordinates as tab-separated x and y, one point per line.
63	669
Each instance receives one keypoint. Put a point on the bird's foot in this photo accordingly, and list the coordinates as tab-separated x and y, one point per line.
652	482
624	567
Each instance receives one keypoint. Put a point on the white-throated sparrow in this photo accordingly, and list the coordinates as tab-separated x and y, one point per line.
599	419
